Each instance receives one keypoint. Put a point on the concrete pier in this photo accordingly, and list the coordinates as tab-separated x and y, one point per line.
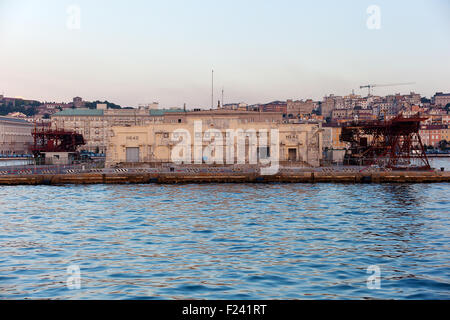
218	177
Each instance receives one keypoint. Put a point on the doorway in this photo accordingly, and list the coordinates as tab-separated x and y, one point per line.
292	154
132	154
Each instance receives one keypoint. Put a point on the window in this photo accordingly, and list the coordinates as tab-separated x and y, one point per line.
264	152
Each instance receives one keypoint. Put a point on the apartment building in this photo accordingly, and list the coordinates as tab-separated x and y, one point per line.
15	136
299	107
431	135
94	124
441	99
330	103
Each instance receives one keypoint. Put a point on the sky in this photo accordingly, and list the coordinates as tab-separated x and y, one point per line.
135	52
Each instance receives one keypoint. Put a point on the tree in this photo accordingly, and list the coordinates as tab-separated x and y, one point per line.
443	144
110	105
18	107
447	107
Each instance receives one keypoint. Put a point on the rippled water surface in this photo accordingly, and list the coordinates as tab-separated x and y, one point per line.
225	241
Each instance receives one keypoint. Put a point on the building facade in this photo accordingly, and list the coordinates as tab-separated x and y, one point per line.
331	102
300	107
431	134
95	124
298	143
15	136
333	147
275	106
445	133
221	115
78	102
441	99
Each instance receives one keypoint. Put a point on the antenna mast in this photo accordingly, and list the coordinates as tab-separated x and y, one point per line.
212	89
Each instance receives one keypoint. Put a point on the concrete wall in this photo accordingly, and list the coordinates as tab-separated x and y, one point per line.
61	158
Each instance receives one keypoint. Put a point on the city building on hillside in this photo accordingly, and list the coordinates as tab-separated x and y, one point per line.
431	134
19	115
235	106
353	100
441	99
149	106
59	106
338	114
78	102
445	133
275	106
383	109
363	115
330	103
15	136
299	107
101	106
445	119
412	98
49	108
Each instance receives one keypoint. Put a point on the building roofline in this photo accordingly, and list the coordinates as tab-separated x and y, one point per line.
79	112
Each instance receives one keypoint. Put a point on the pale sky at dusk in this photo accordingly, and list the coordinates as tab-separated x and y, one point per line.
132	52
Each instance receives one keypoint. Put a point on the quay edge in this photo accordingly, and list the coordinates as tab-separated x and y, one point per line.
177	178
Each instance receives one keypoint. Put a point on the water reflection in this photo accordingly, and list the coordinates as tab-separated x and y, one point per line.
226	241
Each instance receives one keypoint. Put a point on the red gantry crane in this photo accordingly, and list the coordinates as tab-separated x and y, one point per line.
55	140
394	144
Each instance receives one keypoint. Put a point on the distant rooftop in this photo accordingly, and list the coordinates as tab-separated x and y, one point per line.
13	120
99	112
161	112
79	112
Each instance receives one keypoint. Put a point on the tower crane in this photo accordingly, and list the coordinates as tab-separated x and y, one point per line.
370	86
